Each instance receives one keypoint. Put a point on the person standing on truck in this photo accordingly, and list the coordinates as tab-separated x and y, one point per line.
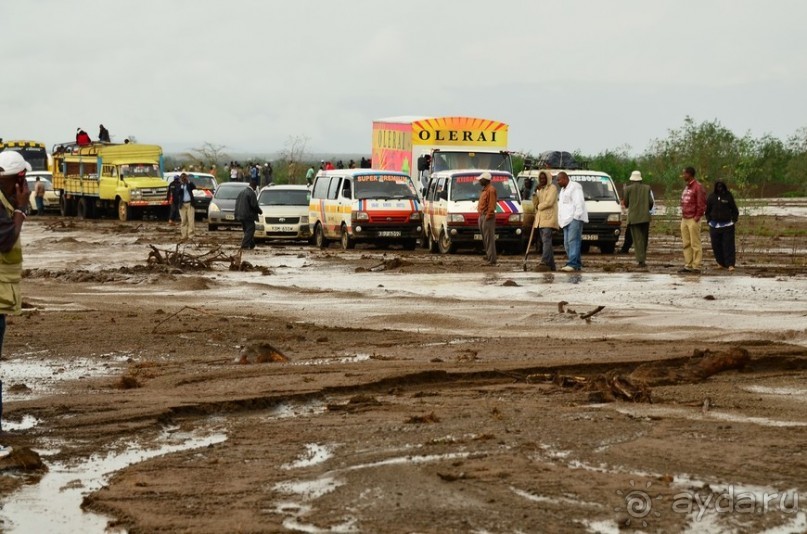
103	134
693	207
247	211
187	214
487	217
545	202
572	215
721	216
638	200
82	137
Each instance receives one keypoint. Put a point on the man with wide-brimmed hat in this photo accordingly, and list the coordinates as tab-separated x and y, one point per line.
638	200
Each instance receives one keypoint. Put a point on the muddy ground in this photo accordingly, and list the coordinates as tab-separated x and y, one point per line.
421	393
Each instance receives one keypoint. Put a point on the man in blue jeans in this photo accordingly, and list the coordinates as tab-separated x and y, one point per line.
572	215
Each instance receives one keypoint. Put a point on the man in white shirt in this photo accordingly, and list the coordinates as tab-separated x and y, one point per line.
572	215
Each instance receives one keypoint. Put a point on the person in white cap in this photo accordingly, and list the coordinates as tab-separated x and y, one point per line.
638	200
14	196
487	217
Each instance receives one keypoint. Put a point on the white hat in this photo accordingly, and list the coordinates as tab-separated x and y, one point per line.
484	176
12	163
635	176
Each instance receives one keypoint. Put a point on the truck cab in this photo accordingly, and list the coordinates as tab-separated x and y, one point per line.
450	217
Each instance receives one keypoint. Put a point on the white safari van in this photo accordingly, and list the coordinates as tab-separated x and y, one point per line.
450	218
352	205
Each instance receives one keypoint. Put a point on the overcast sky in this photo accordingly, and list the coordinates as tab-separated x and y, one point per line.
247	74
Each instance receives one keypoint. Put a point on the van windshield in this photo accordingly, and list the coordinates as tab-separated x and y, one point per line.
466	187
450	161
384	186
596	187
140	170
202	182
284	197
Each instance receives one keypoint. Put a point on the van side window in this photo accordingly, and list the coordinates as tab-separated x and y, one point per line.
441	188
432	187
321	187
333	191
347	190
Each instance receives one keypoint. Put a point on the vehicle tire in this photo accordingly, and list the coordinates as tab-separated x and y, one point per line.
607	247
212	227
124	211
410	244
85	208
432	244
445	245
347	241
67	206
320	241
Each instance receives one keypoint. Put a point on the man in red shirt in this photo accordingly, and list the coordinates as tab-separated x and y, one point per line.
487	217
693	206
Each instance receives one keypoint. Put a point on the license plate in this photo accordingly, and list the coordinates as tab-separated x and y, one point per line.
590	237
280	229
389	233
478	237
229	217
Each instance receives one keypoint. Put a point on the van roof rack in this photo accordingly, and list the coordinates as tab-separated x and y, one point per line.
553	159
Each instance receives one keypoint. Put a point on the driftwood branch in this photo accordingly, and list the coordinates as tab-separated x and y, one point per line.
154	330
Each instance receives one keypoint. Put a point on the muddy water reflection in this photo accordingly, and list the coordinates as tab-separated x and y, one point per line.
54	504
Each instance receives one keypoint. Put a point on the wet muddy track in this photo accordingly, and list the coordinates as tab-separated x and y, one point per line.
400	409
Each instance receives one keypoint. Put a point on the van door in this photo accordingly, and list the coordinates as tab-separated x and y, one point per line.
316	206
332	215
345	204
440	206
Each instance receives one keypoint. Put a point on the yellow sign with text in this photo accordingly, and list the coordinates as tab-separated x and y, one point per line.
460	131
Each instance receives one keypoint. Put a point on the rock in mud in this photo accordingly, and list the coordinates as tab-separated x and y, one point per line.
22	459
261	352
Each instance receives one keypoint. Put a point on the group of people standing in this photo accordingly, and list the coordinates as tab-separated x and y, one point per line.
262	175
565	209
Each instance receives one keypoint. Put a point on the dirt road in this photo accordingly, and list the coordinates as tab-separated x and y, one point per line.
421	393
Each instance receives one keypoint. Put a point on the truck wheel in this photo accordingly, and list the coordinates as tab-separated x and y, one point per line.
319	237
445	245
84	209
124	211
347	242
431	244
67	206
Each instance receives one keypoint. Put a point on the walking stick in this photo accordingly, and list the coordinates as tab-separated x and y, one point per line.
529	246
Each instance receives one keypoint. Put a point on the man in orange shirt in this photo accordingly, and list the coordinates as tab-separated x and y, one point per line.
487	217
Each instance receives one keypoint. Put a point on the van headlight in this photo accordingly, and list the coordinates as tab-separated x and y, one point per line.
614	218
515	218
415	216
304	219
455	218
213	208
136	194
359	216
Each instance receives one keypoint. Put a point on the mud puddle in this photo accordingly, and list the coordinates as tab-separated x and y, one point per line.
54	504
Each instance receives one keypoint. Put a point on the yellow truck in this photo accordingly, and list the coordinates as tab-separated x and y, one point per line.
102	178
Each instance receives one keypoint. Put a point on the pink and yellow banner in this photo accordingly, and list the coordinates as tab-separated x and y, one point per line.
392	146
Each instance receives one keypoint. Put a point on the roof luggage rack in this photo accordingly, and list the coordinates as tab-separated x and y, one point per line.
553	159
